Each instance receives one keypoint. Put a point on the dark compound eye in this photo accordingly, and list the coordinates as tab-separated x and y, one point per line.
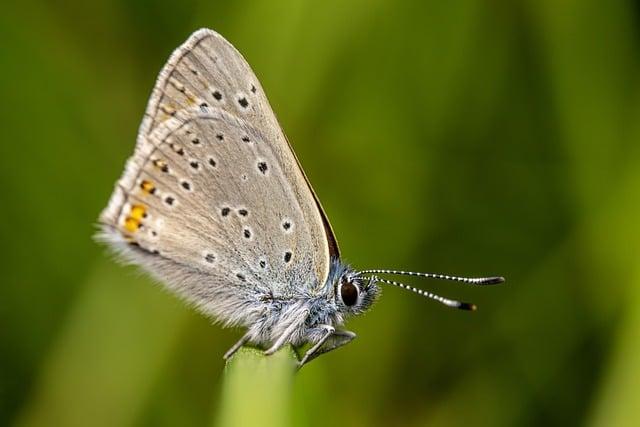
348	293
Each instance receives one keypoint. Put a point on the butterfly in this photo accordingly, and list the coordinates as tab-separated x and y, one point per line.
215	205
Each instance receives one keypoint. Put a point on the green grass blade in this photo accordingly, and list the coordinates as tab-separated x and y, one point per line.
257	389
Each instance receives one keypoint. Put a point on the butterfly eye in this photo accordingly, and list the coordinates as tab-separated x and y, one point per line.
348	293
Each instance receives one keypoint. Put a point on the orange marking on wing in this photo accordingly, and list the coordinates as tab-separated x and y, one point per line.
131	224
147	187
138	212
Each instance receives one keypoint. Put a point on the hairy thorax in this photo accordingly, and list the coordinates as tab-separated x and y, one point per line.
304	314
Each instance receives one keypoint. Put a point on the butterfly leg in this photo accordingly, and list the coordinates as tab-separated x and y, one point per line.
282	340
285	336
242	341
330	341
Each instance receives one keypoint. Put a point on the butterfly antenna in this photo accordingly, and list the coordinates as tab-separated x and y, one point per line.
469	280
446	301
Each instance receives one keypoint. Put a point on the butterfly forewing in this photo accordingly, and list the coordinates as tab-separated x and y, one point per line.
214	186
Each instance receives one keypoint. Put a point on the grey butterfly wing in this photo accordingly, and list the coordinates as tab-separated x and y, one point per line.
213	202
207	71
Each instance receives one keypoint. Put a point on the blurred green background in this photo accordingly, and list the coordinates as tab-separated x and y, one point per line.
469	137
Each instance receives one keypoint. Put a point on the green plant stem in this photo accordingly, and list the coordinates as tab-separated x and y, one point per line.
256	389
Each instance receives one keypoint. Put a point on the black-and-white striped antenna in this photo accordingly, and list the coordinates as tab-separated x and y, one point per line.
442	300
371	275
495	280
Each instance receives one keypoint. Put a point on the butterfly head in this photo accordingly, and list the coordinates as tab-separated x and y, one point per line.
354	294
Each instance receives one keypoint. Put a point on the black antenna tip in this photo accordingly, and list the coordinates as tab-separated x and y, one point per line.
493	280
467	306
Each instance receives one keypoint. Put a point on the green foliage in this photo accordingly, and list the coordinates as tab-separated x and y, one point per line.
257	389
